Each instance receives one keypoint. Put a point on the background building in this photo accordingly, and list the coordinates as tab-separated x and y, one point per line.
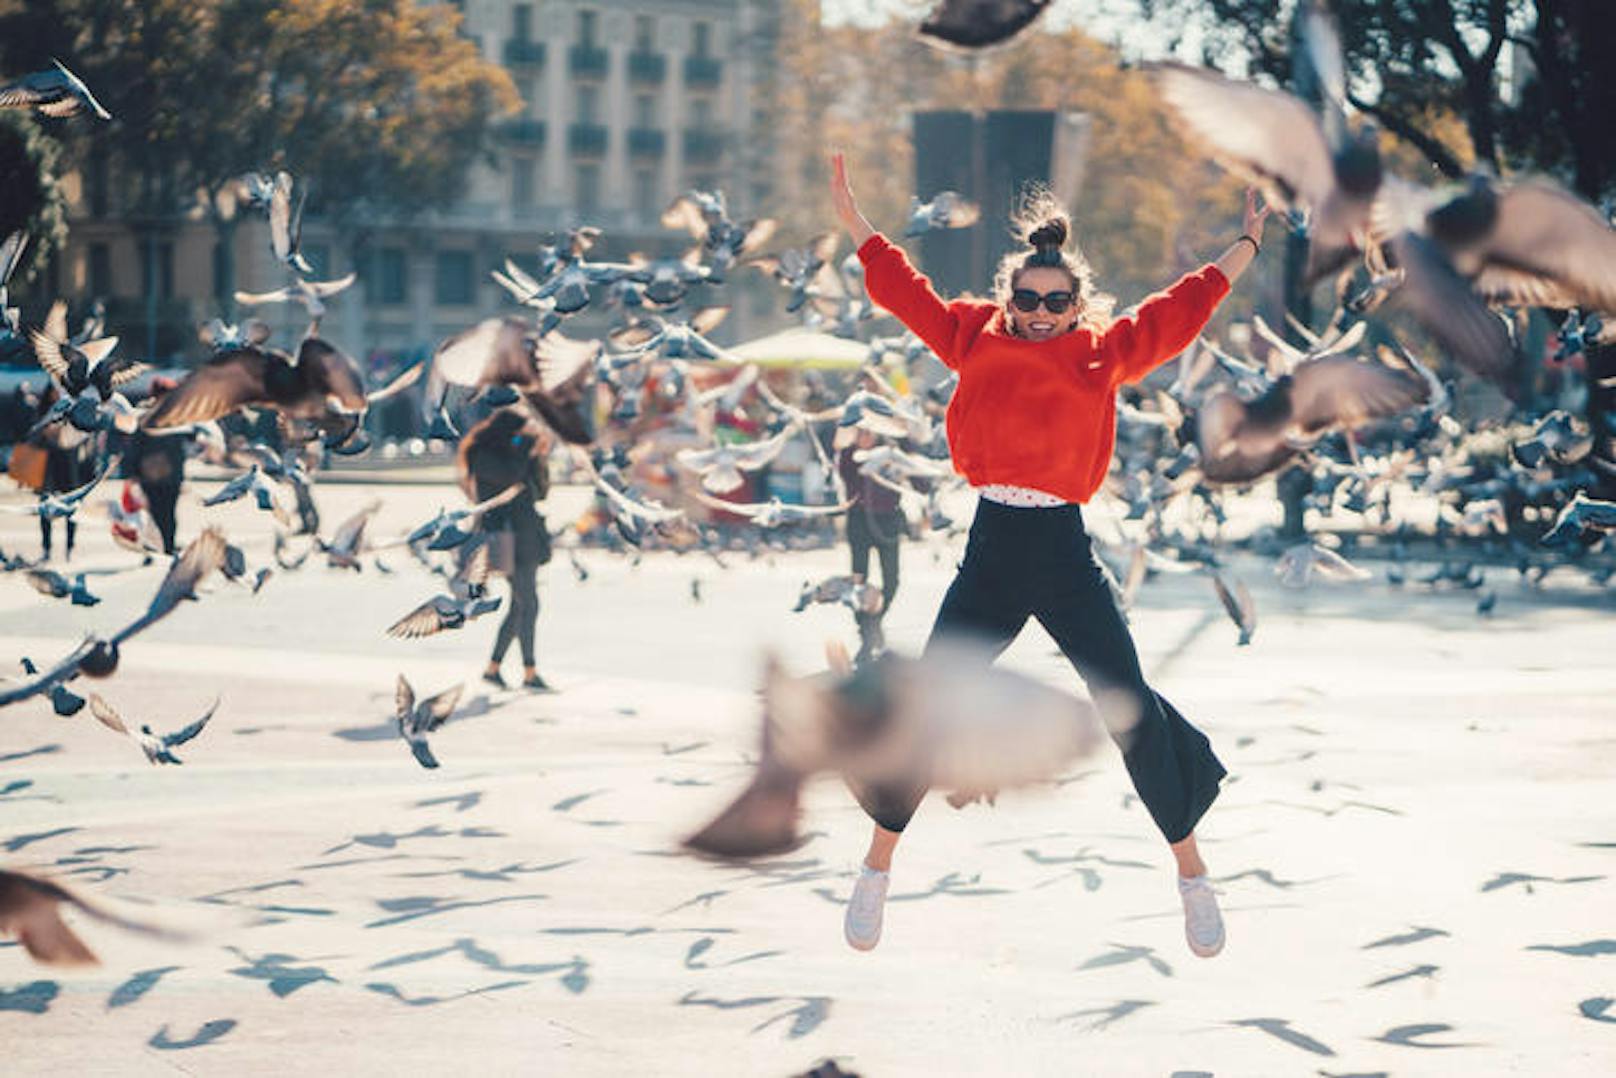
625	103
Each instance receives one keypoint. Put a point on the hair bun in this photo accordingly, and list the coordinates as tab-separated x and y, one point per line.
1051	234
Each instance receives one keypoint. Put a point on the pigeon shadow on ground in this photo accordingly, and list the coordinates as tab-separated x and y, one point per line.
34	998
388	989
137	986
574	971
415	907
808	1015
42	750
207	1034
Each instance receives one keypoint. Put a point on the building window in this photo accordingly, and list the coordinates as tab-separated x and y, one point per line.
522	169
587	197
644	110
522	22
701	38
100	269
644	33
587	21
388	281
646	203
454	278
701	112
588	99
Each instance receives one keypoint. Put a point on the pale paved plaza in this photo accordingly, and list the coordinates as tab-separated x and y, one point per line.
1417	844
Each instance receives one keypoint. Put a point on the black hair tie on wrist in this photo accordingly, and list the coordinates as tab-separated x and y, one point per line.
1256	248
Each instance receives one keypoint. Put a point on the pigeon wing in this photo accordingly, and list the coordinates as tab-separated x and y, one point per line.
63	671
1266	137
215	390
423	621
1545	230
201	557
438	708
186	733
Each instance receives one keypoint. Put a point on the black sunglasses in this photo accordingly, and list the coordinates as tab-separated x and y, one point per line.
1026	300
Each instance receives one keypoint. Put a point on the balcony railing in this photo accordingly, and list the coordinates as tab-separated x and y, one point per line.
703	70
523	132
646	142
588	61
703	146
519	53
587	140
647	67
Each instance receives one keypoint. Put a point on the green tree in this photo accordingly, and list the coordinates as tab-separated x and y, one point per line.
34	200
381	105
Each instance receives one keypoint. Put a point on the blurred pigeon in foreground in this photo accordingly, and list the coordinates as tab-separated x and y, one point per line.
948	719
29	913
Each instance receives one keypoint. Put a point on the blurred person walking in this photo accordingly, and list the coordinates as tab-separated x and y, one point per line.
504	449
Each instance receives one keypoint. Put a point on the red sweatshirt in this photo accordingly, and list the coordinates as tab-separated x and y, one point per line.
1038	414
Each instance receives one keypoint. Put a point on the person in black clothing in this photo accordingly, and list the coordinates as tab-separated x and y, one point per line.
68	463
874	522
157	462
505	449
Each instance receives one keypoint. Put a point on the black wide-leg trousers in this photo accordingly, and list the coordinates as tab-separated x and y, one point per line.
1038	563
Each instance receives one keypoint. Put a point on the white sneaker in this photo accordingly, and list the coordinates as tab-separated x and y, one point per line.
862	924
1203	924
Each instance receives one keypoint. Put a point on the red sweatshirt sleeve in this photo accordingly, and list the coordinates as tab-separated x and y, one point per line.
903	291
1163	325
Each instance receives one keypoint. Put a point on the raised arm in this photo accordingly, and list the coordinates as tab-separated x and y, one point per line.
1165	323
891	280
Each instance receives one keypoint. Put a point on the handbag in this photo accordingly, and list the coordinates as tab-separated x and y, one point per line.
27	465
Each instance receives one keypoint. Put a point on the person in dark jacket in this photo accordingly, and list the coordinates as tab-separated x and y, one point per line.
875	522
504	449
69	455
157	462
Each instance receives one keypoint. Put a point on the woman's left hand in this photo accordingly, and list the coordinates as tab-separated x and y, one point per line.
1255	215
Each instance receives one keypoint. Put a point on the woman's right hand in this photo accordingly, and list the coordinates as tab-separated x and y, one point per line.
841	193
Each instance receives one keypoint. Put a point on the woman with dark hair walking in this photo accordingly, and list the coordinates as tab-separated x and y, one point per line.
1032	426
508	448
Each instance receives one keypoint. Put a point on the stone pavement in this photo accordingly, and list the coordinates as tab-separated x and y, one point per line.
1416	845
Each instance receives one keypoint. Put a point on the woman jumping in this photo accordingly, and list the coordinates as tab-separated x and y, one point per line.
1032	427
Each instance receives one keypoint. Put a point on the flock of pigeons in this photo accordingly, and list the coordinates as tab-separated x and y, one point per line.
1347	414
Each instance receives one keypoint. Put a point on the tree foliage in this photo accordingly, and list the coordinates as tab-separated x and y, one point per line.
1413	62
33	199
382	103
1148	207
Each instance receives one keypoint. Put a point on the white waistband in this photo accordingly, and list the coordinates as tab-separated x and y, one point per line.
1019	497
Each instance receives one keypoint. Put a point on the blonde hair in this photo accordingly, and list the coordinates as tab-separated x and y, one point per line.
1041	223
